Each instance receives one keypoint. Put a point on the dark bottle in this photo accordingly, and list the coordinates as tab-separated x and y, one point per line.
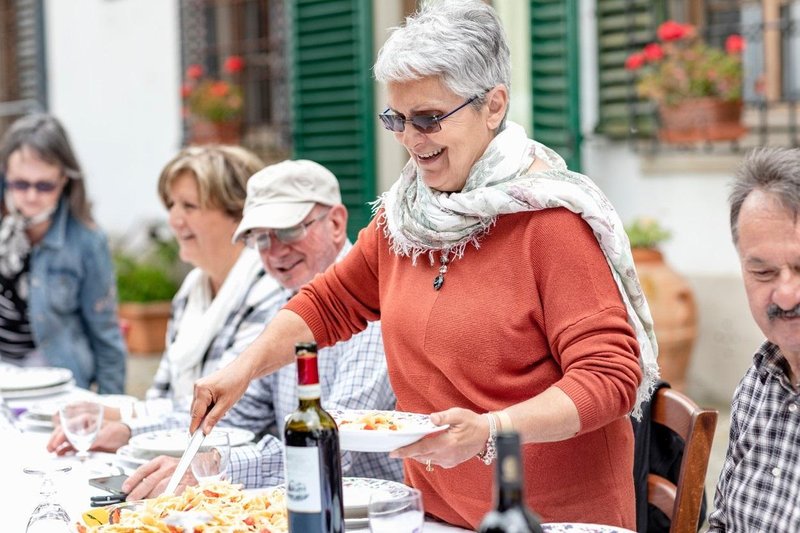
313	462
510	515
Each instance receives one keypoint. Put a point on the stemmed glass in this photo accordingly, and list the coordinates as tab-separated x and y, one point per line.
48	516
81	420
390	514
211	461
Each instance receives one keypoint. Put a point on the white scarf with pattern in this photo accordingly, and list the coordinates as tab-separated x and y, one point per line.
419	220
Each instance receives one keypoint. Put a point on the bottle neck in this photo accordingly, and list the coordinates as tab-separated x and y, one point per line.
509	481
308	388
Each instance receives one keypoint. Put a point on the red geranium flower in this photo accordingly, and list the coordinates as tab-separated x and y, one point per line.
734	44
635	61
194	72
673	31
220	88
186	91
653	52
233	64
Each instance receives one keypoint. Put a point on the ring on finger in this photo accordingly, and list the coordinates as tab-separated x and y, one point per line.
428	466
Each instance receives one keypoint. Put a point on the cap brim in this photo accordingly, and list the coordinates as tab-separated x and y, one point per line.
272	216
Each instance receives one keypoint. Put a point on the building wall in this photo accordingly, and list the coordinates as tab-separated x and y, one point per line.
113	70
687	193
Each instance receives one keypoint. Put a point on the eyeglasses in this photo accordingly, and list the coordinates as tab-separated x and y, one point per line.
262	239
423	123
40	186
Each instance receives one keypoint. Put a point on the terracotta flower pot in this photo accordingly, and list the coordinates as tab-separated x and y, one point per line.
701	119
207	132
146	326
672	305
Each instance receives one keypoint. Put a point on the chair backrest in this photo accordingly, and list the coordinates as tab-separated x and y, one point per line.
681	502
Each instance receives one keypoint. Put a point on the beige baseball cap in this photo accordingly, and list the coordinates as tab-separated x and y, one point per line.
282	195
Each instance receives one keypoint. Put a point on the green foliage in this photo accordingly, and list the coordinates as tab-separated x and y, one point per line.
646	232
151	275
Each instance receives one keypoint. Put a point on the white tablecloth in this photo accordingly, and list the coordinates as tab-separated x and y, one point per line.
19	492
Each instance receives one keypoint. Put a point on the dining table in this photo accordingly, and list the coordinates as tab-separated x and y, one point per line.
24	446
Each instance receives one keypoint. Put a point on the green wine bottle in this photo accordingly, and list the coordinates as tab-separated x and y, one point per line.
313	463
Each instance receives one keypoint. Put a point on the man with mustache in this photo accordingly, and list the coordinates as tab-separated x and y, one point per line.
758	485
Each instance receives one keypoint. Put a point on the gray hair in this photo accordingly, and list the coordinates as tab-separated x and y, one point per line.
44	135
461	42
771	170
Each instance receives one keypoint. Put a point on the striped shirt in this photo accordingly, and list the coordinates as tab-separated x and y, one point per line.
759	486
16	338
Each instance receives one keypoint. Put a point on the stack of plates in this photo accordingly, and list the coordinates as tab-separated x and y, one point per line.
34	382
146	446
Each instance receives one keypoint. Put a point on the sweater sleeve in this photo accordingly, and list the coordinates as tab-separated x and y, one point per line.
341	301
585	320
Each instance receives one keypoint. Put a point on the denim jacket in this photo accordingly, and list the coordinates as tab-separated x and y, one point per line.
72	306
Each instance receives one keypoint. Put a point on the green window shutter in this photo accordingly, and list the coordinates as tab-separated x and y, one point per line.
624	27
555	83
333	120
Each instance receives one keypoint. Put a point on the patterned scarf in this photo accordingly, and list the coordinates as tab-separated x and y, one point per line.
419	220
14	243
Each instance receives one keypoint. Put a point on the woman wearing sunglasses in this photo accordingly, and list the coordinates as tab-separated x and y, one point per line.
57	288
505	288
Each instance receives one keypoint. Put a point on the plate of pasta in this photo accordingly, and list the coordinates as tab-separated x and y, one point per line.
380	431
218	506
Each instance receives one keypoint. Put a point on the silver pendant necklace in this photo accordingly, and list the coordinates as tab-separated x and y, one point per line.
438	281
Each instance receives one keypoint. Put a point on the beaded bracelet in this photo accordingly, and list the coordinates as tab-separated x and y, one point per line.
489	453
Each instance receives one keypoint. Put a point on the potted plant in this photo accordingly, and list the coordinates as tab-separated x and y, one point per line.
147	279
697	87
670	298
212	106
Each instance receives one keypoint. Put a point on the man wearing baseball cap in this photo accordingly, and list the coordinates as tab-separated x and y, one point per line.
295	218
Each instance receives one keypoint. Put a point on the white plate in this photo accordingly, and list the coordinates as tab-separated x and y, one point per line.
357	492
411	428
38	393
14	378
128	456
570	527
173	441
32	422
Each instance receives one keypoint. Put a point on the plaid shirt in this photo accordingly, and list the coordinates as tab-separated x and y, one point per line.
353	375
759	486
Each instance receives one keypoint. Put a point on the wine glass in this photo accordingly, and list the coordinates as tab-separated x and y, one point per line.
81	420
48	516
212	459
390	514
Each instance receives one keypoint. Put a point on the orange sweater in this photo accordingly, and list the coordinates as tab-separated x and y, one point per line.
535	306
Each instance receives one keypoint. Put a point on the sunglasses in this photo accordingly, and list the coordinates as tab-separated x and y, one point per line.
262	239
40	186
424	123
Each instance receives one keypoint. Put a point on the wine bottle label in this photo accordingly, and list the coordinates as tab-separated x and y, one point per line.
303	480
309	392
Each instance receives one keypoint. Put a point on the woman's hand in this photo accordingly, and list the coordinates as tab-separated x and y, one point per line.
111	437
152	478
215	394
466	436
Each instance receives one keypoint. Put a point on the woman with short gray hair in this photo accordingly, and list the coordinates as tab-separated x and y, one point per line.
58	303
505	286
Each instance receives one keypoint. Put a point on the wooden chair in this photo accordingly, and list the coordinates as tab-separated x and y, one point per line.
681	502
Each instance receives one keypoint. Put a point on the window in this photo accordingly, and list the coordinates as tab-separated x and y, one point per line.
212	30
22	73
771	29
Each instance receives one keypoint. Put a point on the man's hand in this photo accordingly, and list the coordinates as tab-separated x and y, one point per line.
151	479
111	437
